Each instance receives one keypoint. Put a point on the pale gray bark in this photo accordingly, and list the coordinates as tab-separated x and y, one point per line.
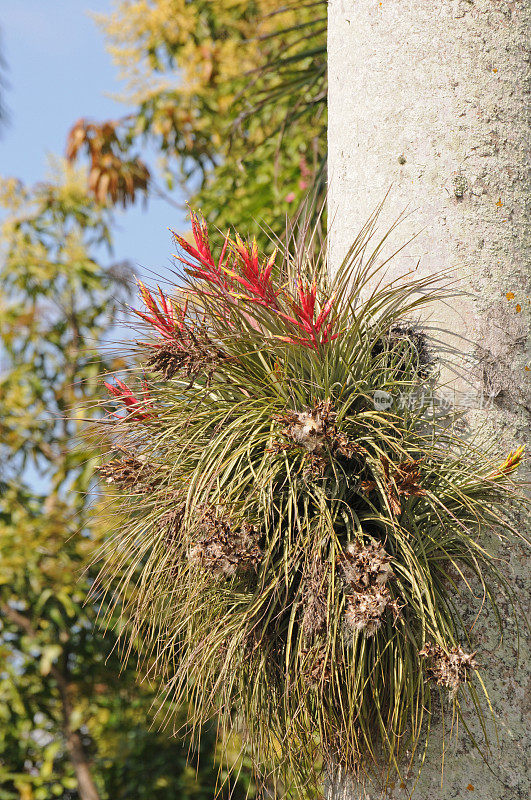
429	97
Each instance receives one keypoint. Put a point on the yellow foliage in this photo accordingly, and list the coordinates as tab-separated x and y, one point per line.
138	28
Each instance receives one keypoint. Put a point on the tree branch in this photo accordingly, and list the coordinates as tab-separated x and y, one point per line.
74	744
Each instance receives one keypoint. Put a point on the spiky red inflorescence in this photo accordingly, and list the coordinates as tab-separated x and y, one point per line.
167	320
238	270
317	329
240	275
138	409
254	279
204	266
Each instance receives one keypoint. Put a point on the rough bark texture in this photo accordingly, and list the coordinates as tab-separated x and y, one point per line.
429	97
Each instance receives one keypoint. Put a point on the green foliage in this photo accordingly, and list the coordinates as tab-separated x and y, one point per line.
66	702
233	96
300	548
57	308
56	299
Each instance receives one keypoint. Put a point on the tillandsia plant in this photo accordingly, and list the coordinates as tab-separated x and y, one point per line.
293	549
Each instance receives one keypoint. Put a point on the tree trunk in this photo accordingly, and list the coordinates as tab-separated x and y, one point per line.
74	744
428	97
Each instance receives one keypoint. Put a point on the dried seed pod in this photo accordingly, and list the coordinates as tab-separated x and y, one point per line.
314	597
167	359
366	570
365	565
222	549
191	355
315	467
344	447
315	430
306	429
131	473
364	610
448	668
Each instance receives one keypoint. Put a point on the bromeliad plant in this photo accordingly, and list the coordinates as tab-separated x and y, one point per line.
298	547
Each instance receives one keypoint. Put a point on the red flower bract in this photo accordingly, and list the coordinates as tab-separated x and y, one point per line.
256	280
138	409
205	267
167	320
304	317
239	275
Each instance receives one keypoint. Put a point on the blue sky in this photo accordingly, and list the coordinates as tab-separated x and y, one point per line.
57	71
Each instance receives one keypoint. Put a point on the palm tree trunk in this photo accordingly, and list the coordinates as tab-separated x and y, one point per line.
428	97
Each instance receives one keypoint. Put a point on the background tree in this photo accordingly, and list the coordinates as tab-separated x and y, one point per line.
74	724
242	152
232	95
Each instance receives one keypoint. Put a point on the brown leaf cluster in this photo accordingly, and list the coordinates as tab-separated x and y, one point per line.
402	479
112	178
